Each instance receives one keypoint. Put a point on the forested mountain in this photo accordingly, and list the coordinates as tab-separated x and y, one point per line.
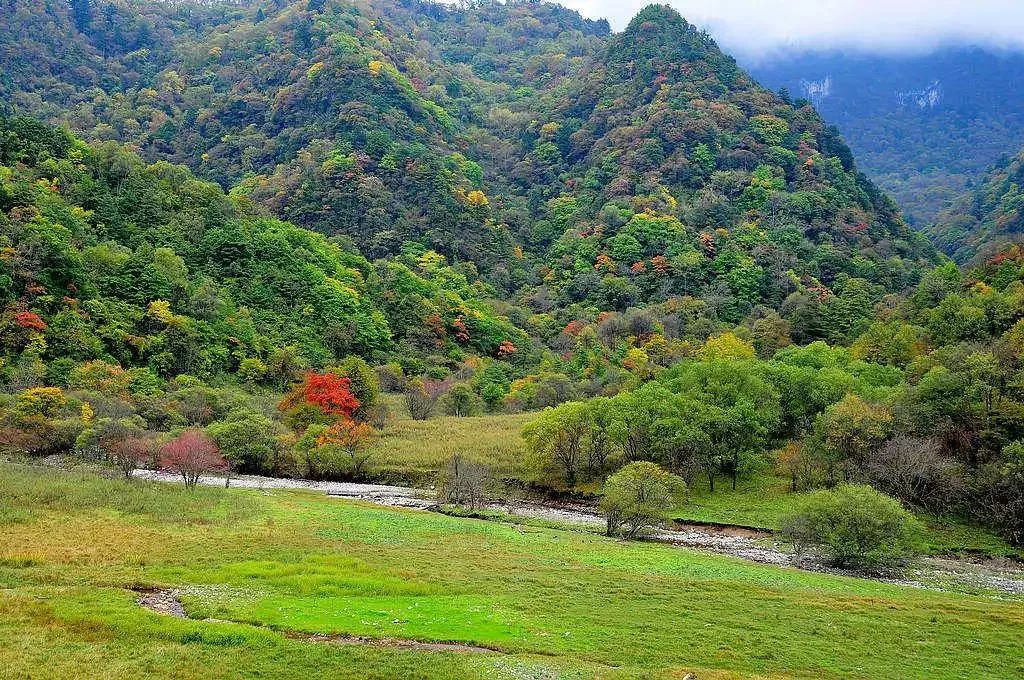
105	258
558	158
923	126
982	221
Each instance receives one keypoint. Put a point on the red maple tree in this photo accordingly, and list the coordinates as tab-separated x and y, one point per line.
330	393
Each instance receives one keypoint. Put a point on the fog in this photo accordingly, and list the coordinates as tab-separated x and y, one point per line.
757	28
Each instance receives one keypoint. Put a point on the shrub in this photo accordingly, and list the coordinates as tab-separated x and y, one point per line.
461	400
853	526
637	497
129	453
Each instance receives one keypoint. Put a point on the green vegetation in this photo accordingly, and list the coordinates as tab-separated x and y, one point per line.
298	562
855	526
980	223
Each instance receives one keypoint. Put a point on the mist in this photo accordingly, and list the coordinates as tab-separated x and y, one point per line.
756	29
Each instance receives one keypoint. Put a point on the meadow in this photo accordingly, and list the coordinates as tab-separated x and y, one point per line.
275	568
412	451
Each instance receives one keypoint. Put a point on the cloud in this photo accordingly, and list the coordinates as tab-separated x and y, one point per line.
757	28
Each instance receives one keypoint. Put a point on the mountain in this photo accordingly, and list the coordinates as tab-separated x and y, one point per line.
571	172
923	126
982	221
103	257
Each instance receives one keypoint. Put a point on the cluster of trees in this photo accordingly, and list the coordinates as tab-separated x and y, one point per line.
924	405
504	134
105	258
984	219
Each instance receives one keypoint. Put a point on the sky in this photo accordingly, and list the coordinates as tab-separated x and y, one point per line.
760	28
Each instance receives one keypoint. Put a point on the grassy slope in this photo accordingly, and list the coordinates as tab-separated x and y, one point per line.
412	451
70	544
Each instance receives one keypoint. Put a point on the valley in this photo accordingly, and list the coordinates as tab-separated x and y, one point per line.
403	339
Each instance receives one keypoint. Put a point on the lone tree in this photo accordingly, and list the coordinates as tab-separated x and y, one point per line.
637	497
129	453
853	526
463	482
191	454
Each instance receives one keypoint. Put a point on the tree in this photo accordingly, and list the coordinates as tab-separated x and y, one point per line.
421	396
328	392
848	430
129	453
247	440
554	440
191	454
854	526
353	438
363	383
463	482
637	497
462	401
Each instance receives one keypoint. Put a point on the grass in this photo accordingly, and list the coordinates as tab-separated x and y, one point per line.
412	451
556	603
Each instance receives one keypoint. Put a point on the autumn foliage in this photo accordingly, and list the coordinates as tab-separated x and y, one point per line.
330	393
191	454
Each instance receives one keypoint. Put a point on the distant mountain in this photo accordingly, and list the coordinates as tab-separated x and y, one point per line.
924	126
985	219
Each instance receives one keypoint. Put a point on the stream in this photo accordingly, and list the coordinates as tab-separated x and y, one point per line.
946	573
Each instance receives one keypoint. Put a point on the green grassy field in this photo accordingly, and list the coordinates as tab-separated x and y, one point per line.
551	603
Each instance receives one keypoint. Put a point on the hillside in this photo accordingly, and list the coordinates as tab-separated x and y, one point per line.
500	134
103	257
985	219
923	126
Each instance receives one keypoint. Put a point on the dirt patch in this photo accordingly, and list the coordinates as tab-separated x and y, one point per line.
164	602
393	643
714	528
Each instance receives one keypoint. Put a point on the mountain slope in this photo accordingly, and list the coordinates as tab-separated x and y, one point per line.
922	126
104	257
580	172
986	218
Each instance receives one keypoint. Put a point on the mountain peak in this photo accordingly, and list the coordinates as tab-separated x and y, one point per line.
659	36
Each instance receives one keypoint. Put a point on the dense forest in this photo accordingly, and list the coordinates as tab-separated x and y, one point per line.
249	218
980	223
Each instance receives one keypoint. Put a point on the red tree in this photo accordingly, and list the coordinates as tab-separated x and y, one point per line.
330	393
190	454
30	320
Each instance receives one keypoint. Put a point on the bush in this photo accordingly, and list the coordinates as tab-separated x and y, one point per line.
637	497
854	526
461	400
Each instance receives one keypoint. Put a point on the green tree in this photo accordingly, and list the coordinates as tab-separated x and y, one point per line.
638	496
854	526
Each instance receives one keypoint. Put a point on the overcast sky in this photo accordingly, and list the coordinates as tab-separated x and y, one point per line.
753	28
